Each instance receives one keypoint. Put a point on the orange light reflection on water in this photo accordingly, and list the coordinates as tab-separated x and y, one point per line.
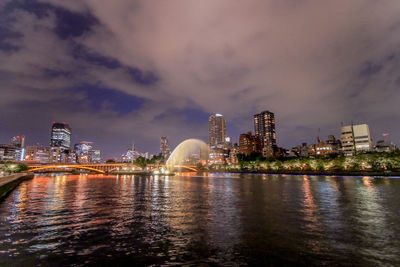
310	211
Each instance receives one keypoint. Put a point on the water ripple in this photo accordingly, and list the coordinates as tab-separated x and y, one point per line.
201	220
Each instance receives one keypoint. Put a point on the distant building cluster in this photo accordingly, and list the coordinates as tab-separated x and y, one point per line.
59	150
354	139
131	154
86	153
262	142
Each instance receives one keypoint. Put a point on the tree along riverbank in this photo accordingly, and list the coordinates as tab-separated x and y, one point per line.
329	173
372	163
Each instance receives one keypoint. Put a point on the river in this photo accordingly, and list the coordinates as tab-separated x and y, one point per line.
210	219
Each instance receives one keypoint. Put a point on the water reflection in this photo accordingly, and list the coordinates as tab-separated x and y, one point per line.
230	219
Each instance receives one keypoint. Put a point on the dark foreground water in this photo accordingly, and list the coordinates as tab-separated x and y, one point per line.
219	219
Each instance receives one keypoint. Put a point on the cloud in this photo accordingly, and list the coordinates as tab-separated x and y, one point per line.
315	64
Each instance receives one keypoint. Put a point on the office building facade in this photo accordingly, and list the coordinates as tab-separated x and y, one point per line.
355	139
94	155
83	148
42	154
217	156
14	151
249	143
60	136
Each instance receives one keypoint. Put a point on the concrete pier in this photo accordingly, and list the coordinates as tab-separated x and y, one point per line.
9	183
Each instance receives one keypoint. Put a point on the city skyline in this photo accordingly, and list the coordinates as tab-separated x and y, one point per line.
235	139
115	79
199	132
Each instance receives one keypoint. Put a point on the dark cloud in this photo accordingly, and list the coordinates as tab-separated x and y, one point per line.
122	71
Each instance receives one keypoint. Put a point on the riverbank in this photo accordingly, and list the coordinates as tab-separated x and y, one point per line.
9	183
331	173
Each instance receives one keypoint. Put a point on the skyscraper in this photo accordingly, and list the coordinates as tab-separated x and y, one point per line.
60	136
217	130
165	151
264	126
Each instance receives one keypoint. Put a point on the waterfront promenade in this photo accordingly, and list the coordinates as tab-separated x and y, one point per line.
9	182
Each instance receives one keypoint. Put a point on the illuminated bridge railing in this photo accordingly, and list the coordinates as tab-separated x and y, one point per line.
100	168
104	168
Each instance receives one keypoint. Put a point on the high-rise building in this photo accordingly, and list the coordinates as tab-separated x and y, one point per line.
249	143
94	155
72	157
85	153
264	126
217	131
355	138
20	154
8	152
60	136
56	155
83	147
38	154
165	151
245	143
14	151
18	141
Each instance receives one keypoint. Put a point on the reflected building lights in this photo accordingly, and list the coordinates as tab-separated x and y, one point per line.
310	211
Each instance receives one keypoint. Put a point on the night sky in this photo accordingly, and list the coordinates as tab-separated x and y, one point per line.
123	71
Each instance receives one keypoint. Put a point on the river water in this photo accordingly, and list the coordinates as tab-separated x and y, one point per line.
210	219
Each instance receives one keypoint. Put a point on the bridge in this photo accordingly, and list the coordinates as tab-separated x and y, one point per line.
104	168
99	168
